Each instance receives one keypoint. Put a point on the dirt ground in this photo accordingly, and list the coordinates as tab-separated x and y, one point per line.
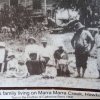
90	80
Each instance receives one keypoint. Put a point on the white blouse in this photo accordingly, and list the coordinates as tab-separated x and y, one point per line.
2	54
31	49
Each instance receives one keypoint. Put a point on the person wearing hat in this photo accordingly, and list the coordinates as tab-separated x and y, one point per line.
3	54
46	53
83	43
61	60
97	42
32	47
32	57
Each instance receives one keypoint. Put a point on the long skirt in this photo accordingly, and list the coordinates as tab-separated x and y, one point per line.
81	59
34	67
0	67
98	59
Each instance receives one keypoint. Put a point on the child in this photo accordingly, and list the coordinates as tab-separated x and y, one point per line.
63	65
61	59
51	71
12	66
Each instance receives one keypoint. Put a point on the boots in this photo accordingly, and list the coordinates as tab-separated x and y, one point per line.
84	69
99	74
79	74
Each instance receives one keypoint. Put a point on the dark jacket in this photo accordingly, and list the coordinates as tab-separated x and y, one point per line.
58	53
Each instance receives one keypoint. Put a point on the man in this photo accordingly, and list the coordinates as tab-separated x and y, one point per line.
61	60
45	50
97	41
83	43
46	53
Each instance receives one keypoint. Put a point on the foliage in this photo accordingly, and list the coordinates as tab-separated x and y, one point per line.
86	8
36	4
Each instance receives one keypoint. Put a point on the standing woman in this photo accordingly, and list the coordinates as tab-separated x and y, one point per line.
3	56
97	41
32	57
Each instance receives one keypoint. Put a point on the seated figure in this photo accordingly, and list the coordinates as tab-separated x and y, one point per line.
32	58
34	66
61	60
12	66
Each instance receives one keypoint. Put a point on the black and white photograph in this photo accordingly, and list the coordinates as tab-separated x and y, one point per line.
50	43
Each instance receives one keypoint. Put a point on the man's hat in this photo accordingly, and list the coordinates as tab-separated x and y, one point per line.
11	55
32	38
60	46
44	40
79	26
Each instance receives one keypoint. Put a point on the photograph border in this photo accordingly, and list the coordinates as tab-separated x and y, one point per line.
49	88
